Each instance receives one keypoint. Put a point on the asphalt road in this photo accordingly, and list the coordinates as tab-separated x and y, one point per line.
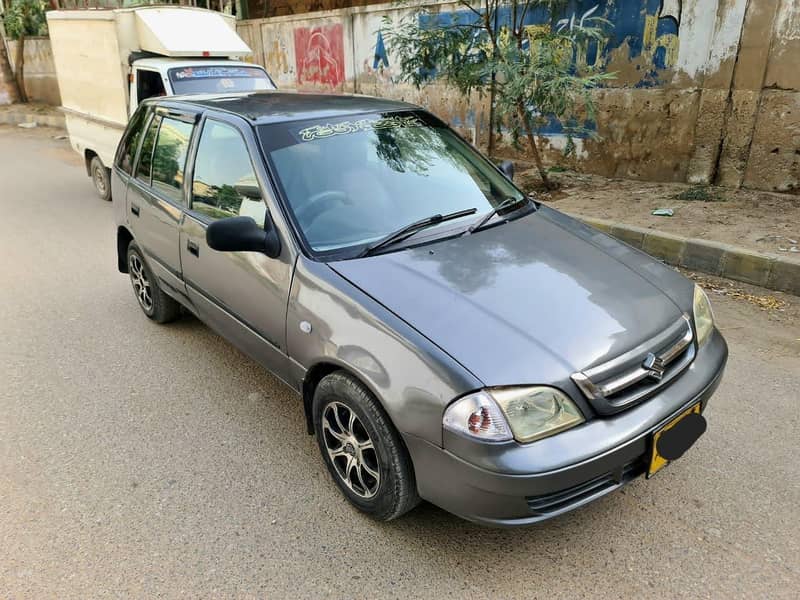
139	460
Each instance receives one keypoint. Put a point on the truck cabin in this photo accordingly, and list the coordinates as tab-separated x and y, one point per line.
161	76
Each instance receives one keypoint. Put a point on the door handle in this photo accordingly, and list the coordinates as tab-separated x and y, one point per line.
135	210
193	248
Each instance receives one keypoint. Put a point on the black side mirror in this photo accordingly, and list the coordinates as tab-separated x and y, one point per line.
507	167
242	234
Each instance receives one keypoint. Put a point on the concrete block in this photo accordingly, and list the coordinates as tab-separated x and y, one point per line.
633	236
747	266
601	224
665	246
785	276
700	255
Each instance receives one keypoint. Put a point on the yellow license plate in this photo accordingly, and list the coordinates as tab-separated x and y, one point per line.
658	462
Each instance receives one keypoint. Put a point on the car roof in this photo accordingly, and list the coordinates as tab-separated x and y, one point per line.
277	106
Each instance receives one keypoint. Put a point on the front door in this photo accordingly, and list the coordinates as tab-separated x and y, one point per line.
243	295
156	196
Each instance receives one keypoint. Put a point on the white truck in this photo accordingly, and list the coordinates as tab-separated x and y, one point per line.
108	61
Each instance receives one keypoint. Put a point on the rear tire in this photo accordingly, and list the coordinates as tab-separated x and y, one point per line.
101	177
362	449
155	304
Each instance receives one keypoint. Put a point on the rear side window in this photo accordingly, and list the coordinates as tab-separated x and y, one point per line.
146	153
169	158
225	183
131	141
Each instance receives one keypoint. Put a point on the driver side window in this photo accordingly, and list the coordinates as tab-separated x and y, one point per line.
224	182
149	84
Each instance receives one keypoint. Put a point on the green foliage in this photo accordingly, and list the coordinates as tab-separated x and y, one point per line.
542	77
25	17
165	160
533	69
700	193
228	199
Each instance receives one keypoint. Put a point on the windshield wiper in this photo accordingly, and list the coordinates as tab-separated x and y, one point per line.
483	219
412	228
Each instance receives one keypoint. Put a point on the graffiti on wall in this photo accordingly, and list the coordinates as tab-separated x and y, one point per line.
642	36
377	63
642	44
645	33
319	55
278	62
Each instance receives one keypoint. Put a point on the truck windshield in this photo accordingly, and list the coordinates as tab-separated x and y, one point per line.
214	79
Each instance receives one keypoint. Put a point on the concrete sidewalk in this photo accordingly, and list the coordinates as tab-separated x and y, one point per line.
40	114
768	270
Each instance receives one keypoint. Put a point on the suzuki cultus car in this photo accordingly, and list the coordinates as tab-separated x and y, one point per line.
449	337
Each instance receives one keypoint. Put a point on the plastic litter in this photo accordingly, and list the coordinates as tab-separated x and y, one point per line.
663	212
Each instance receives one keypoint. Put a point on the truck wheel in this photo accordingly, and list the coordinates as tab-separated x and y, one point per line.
101	178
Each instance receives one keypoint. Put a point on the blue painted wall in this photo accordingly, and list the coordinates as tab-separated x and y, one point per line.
647	28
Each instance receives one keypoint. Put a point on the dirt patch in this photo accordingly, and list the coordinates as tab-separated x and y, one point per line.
763	221
31	108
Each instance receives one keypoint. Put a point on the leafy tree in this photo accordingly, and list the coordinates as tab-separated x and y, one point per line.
24	18
228	199
531	72
165	160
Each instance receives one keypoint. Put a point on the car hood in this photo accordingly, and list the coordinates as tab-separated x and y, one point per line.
531	301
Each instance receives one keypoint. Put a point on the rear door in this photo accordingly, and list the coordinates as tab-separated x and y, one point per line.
156	195
243	295
124	162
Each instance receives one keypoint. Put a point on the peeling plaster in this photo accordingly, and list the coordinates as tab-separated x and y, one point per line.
725	42
559	143
788	22
694	41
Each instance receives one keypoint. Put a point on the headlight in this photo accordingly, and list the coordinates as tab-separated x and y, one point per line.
537	412
703	315
527	413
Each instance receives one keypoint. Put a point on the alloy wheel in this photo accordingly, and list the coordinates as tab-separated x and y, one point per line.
141	285
350	449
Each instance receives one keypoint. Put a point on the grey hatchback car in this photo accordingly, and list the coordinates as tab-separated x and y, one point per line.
451	338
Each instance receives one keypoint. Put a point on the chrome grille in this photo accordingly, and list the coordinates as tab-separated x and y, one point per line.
637	374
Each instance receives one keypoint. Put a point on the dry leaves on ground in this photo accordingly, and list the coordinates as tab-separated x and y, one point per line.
731	290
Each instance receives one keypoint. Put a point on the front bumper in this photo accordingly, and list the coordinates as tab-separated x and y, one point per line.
495	489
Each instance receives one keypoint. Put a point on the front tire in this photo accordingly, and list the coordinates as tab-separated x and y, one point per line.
101	177
362	449
155	304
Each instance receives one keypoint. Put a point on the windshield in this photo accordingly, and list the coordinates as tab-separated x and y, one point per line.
351	181
213	79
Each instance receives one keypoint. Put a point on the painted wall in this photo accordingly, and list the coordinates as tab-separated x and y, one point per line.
706	90
41	84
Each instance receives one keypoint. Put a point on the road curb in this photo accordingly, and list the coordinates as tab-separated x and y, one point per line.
767	270
15	117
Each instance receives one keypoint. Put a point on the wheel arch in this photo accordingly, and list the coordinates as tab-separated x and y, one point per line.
321	370
88	155
124	238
